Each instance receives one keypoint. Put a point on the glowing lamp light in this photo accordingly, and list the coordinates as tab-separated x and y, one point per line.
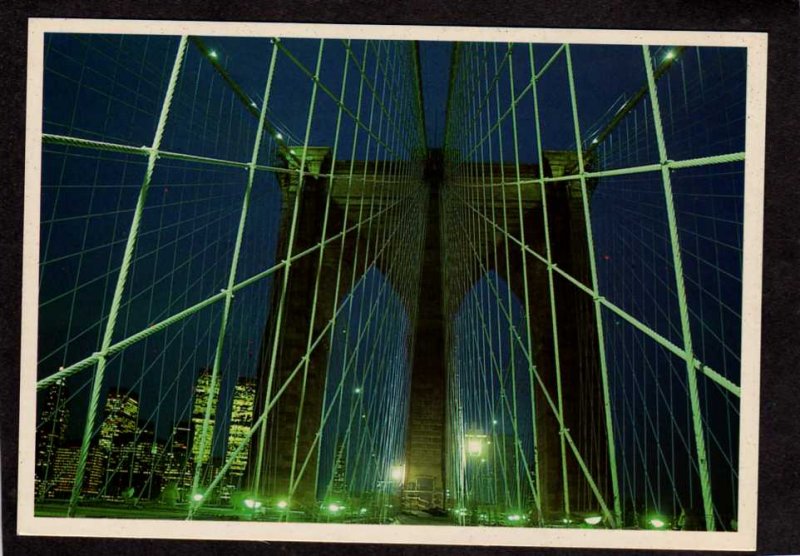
669	55
213	54
278	136
657	523
514	517
593	520
197	497
252	504
333	508
494	421
398	472
357	390
363	511
282	504
474	447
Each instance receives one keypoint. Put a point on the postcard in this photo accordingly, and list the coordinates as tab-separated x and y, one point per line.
438	285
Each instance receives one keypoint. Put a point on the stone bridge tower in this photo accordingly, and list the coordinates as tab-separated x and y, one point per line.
426	482
347	248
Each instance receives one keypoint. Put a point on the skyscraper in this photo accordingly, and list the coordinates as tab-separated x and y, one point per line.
339	480
121	416
120	423
139	467
242	408
65	466
50	433
202	393
177	468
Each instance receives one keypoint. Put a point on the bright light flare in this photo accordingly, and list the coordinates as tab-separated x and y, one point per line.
474	447
398	473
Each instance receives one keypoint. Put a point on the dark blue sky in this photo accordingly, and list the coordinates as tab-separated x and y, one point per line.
435	61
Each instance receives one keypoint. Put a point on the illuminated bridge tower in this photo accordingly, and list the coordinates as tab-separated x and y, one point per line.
331	212
425	481
492	188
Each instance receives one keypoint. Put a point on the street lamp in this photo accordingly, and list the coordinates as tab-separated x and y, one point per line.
593	520
656	521
398	473
333	507
474	444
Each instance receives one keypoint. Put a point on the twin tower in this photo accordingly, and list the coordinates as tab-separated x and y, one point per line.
361	194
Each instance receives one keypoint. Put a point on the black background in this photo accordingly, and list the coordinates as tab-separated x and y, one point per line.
779	459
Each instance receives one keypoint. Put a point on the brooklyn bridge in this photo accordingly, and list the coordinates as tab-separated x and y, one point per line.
272	289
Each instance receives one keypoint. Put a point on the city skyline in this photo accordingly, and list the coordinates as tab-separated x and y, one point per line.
123	442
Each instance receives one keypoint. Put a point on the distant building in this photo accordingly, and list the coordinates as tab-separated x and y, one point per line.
177	468
94	478
202	393
65	466
242	407
120	416
50	435
119	425
139	468
339	479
